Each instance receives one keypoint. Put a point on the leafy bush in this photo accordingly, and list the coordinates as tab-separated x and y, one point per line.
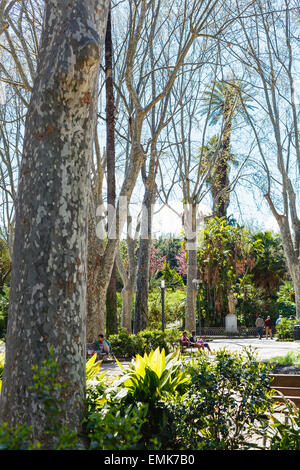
152	380
137	398
153	376
18	438
225	404
174	307
50	391
116	428
126	345
285	329
286	294
281	435
154	339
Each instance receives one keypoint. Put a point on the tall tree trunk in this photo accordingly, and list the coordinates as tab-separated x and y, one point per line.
220	182
296	282
111	295
127	300
95	315
128	278
290	247
96	308
48	286
191	287
129	281
142	281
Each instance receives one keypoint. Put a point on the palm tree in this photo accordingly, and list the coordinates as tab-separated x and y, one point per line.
224	100
270	269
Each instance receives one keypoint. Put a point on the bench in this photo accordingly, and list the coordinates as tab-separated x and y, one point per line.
188	348
288	385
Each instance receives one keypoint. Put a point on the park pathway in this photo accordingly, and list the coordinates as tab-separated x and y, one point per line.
264	348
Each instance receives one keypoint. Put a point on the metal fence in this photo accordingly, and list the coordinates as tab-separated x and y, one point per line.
220	331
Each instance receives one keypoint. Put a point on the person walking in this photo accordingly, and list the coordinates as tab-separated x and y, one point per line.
268	325
259	326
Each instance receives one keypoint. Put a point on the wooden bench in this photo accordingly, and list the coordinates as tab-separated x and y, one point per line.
187	348
190	349
288	385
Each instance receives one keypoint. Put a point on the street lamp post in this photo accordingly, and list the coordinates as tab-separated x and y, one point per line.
197	281
162	285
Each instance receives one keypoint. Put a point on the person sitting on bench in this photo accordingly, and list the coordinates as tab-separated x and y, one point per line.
101	345
185	341
198	342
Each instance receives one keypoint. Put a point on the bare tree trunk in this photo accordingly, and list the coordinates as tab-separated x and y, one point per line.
48	287
111	295
191	287
142	282
291	249
96	308
128	279
296	281
127	299
127	292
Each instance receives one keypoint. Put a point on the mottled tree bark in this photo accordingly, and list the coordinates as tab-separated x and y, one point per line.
291	245
142	281
96	310
128	280
191	287
96	307
48	287
128	277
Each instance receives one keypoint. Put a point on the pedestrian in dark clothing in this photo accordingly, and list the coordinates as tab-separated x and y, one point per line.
268	325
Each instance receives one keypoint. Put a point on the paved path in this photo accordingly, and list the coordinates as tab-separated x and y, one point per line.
264	348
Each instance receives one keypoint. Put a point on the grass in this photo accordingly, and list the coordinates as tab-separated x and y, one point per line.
292	358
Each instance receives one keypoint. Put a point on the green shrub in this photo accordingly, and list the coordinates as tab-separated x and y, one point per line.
126	345
285	435
51	392
225	404
154	339
174	307
116	428
151	380
153	376
285	329
18	438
